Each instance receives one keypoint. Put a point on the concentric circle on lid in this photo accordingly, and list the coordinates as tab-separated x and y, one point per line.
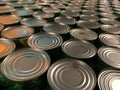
111	29
89	12
33	22
9	19
41	15
32	6
15	32
56	28
109	79
45	41
22	12
77	9
83	34
6	47
50	10
71	74
88	24
110	56
65	20
15	4
25	64
110	39
5	9
57	6
108	15
79	49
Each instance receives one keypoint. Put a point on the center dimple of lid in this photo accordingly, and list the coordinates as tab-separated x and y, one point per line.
115	84
2	48
45	41
114	57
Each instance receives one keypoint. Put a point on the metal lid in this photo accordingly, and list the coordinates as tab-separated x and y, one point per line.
108	15
33	22
15	32
22	12
5	9
57	6
50	10
77	9
15	4
25	64
9	19
83	34
6	47
3	2
27	1
79	49
111	29
56	28
88	24
45	41
71	74
110	21
110	56
70	13
32	6
89	12
89	17
41	15
109	79
65	20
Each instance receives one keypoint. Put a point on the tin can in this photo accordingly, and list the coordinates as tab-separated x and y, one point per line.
71	74
33	6
109	79
15	4
57	6
50	10
108	15
5	9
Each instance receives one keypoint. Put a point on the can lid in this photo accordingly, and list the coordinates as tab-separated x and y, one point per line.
22	12
27	1
111	29
41	15
108	15
65	20
89	12
45	41
88	24
15	32
110	39
109	79
6	47
9	19
1	26
110	56
70	13
3	2
33	22
79	49
75	8
15	4
57	6
56	28
71	74
50	10
32	6
5	9
25	64
83	34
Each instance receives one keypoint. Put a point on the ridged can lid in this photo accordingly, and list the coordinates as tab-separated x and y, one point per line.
79	49
110	39
57	6
71	74
65	20
43	15
25	64
109	79
56	28
75	8
89	12
33	22
6	47
83	34
45	41
88	24
50	10
113	29
5	9
32	6
110	55
15	32
9	19
108	15
22	12
15	4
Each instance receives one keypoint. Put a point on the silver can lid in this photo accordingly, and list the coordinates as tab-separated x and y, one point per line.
56	28
6	47
9	19
50	10
89	12
32	6
111	29
110	56
110	39
79	49
43	15
22	12
75	8
83	34
65	20
71	74
15	4
33	22
15	32
109	79
25	64
5	9
57	6
88	24
45	41
108	15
